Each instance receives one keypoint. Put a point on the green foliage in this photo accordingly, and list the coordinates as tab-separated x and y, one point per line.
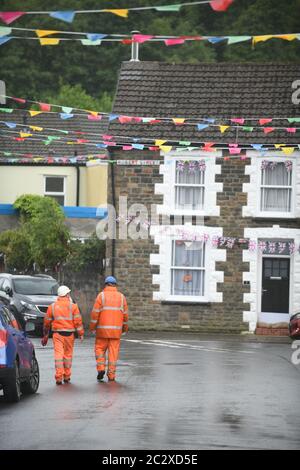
53	72
15	244
87	255
42	221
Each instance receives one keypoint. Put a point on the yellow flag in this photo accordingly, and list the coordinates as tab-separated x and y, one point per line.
166	148
25	134
265	37
44	32
122	12
223	128
288	37
277	146
49	42
36	128
94	113
34	113
37	159
158	143
178	120
288	150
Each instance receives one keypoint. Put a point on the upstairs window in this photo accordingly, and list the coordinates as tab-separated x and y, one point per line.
55	188
188	268
189	185
276	186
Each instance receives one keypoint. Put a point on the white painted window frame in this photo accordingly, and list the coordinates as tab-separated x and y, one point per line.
56	193
163	259
253	188
211	188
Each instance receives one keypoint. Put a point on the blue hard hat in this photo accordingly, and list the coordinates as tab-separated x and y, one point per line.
110	280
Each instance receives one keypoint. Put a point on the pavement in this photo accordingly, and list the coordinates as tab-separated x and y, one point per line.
173	391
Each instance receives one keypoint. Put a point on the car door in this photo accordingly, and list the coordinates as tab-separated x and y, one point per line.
19	339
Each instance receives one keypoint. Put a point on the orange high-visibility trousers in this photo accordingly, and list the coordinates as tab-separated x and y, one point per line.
63	354
112	345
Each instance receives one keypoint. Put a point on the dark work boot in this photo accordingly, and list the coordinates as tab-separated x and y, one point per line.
100	375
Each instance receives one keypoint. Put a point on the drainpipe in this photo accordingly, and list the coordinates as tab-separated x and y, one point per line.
113	193
135	49
77	181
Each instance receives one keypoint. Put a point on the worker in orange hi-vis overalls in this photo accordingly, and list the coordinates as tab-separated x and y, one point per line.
109	319
63	316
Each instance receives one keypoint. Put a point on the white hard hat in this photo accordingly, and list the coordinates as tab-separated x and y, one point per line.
62	291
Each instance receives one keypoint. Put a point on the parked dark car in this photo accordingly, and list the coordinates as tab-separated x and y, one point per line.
28	297
19	369
294	326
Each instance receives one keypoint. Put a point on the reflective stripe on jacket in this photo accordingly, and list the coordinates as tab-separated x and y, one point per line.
109	313
63	315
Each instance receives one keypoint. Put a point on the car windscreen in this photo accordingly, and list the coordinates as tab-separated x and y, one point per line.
35	286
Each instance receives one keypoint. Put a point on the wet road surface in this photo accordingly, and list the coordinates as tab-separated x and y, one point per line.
173	391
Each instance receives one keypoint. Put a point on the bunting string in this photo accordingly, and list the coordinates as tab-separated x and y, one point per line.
68	16
96	39
235	122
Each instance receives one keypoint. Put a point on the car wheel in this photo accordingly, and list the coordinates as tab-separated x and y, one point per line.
12	388
32	383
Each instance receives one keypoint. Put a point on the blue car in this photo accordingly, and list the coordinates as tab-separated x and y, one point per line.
19	369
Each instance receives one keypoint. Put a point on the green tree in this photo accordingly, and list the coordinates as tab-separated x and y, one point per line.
15	244
86	255
42	219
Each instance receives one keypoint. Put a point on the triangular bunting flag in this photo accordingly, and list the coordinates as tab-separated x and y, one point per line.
287	150
44	107
10	16
5	31
168	8
223	128
236	39
49	41
44	32
178	120
220	5
67	16
119	12
34	113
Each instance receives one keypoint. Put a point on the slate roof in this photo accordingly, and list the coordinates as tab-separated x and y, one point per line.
58	148
217	90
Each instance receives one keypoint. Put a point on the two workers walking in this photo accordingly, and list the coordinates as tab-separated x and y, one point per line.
109	319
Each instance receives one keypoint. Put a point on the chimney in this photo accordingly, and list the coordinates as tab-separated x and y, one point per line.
135	49
2	92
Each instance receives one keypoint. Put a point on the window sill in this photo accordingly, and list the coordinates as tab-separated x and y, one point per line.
185	302
275	217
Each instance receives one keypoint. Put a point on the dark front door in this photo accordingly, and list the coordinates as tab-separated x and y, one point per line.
275	285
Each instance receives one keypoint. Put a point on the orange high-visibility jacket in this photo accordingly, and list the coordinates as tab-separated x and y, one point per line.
63	315
109	316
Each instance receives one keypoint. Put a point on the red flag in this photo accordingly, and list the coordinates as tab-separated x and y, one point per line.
220	5
45	107
268	129
9	16
264	121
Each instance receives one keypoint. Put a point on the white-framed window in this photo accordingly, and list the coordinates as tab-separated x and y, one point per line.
187	263
188	268
55	187
276	186
272	190
189	185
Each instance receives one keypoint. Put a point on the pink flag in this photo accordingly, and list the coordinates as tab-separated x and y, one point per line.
44	107
220	5
127	147
264	121
92	117
10	16
291	129
124	119
234	151
173	42
140	38
19	100
238	120
267	130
